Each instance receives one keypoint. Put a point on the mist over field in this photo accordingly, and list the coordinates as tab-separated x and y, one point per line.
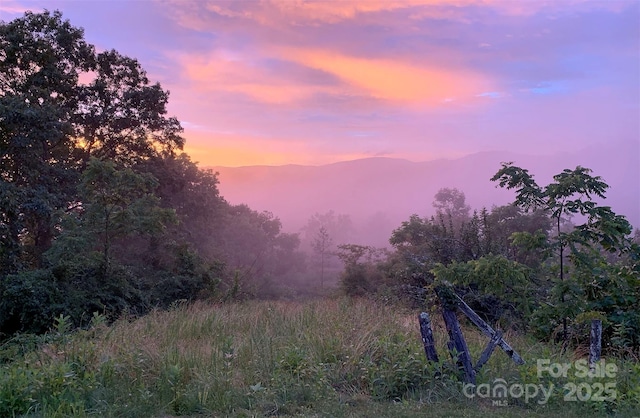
263	240
380	193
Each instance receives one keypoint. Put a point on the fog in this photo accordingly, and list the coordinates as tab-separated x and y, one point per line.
377	194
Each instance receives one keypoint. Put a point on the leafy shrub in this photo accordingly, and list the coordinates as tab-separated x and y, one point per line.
32	299
29	301
359	280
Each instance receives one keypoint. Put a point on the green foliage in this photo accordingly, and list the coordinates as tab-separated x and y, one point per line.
51	123
446	294
425	246
42	56
29	301
494	286
362	274
360	280
396	372
119	203
587	279
32	299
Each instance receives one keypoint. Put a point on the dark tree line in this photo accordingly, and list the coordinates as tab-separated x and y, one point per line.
99	208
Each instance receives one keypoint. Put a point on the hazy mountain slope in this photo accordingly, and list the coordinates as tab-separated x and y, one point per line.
379	193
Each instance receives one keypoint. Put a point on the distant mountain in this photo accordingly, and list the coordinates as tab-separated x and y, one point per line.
380	193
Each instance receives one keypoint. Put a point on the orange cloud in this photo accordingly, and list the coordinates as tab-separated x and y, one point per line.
383	79
232	150
234	155
393	80
336	11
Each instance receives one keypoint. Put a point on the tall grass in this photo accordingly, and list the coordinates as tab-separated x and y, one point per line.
337	357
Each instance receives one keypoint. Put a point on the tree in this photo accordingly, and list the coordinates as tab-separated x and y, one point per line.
41	58
193	194
52	122
446	237
320	236
571	193
118	203
253	245
321	245
362	269
451	203
122	117
339	227
78	132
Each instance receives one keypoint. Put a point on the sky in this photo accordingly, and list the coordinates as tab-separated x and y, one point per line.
276	82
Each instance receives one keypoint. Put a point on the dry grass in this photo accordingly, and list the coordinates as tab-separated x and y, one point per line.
333	357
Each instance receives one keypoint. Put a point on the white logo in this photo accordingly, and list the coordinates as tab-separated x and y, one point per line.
500	391
580	369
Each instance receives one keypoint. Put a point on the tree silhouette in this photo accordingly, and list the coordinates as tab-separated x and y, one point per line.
321	245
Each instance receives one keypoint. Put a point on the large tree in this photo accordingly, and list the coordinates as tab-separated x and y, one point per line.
41	58
62	103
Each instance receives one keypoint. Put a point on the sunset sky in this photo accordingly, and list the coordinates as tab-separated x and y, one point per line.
314	82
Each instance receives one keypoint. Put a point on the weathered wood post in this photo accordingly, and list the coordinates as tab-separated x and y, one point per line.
484	357
595	348
458	346
487	330
427	337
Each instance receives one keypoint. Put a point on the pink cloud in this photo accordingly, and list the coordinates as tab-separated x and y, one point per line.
11	9
220	71
272	82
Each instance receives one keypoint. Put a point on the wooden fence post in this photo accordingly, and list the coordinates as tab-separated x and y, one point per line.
595	347
458	345
427	337
484	357
487	330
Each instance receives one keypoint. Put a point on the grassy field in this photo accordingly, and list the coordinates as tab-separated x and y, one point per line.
325	358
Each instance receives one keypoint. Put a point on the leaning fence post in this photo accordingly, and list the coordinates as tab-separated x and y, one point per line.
427	337
595	347
458	346
484	357
487	330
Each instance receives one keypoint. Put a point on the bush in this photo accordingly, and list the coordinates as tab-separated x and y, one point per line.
361	279
29	301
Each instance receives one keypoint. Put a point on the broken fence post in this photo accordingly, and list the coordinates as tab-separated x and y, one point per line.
458	346
595	347
427	337
484	357
487	330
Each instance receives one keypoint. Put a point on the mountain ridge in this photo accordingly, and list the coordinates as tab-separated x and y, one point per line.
392	189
